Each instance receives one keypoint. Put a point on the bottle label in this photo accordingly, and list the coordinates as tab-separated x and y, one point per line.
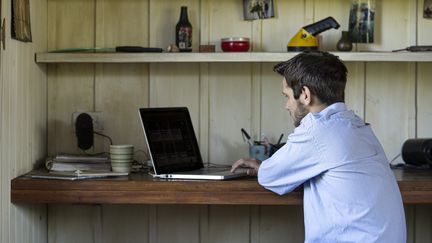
185	38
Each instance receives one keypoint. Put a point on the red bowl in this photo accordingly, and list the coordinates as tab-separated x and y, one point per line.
236	44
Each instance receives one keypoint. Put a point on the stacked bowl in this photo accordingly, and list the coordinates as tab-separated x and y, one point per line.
121	157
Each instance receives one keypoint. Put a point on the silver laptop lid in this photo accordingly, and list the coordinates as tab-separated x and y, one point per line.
171	139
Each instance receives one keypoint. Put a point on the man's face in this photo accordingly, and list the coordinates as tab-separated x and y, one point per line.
296	109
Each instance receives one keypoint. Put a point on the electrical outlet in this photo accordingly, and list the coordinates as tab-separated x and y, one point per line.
96	117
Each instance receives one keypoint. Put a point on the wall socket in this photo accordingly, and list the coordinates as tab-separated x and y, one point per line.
96	117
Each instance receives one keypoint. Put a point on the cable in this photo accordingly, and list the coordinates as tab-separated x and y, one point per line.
103	135
397	156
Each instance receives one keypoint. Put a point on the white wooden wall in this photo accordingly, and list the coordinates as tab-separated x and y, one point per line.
23	128
394	97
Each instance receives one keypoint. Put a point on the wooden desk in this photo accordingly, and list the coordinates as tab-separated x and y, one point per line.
415	186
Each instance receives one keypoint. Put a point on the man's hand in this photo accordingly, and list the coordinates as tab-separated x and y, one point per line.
252	165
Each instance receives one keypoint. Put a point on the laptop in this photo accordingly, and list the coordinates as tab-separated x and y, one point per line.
173	147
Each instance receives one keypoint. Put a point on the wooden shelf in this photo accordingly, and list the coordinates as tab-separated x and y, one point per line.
107	57
140	188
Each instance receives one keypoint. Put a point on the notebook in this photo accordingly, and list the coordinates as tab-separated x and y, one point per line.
173	147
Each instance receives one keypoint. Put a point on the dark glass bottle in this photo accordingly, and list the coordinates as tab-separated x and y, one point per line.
184	32
344	44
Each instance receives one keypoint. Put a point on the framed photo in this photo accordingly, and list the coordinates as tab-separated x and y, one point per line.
427	10
258	9
20	26
361	22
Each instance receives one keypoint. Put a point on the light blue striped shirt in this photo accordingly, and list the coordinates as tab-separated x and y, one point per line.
350	192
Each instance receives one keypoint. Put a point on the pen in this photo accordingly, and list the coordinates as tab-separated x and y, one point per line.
248	138
280	138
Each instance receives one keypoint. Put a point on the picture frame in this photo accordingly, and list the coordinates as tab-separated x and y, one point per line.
258	9
427	9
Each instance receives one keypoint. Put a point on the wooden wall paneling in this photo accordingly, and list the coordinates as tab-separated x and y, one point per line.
229	224
178	223
120	89
423	222
205	18
289	18
122	23
230	86
70	87
176	85
22	127
71	24
125	223
281	224
230	110
423	213
424	100
275	119
204	112
410	222
74	223
338	9
390	99
391	19
355	87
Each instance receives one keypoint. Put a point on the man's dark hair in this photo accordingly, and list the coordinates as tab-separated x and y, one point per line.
323	73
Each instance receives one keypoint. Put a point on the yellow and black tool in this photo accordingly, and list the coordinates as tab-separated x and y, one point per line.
305	39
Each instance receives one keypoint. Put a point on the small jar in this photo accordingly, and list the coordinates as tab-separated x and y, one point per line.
344	44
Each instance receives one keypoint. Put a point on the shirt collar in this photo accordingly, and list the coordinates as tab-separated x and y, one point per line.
327	112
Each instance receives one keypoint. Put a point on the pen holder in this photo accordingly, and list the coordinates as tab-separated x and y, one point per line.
259	152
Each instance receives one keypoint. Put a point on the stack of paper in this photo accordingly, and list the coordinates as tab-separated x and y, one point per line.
71	162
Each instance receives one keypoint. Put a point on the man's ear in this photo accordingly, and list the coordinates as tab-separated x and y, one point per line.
306	96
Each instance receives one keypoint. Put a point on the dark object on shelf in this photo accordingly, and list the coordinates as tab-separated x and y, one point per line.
417	151
415	48
344	44
84	131
207	48
235	44
305	39
137	49
184	32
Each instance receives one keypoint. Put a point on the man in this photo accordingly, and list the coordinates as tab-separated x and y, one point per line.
350	192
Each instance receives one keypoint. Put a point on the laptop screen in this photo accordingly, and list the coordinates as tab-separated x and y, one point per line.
171	139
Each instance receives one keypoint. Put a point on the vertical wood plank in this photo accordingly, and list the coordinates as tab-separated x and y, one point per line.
281	224
22	124
230	103
355	87
178	223
176	85
391	110
423	222
229	224
115	229
424	99
73	223
70	87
